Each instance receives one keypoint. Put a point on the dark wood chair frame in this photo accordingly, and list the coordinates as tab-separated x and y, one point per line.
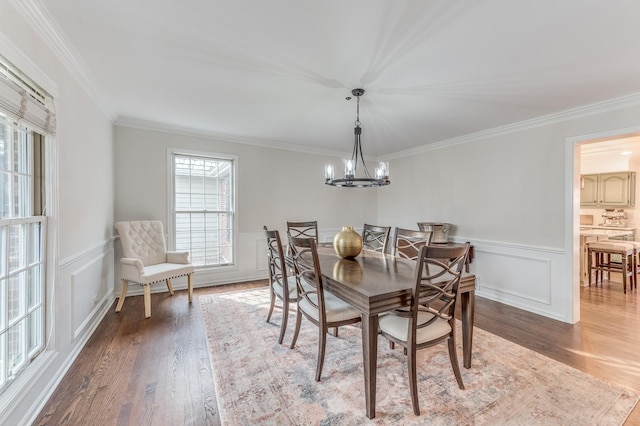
375	237
304	255
438	273
307	229
407	242
278	277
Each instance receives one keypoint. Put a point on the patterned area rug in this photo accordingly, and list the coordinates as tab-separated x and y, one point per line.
261	382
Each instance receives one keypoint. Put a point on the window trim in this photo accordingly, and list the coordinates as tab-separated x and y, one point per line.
171	237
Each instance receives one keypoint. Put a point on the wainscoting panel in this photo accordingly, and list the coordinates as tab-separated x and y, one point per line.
89	289
520	276
527	277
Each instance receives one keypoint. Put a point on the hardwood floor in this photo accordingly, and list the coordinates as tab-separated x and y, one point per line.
157	372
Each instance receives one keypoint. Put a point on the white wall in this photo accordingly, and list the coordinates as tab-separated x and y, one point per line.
509	192
273	186
80	285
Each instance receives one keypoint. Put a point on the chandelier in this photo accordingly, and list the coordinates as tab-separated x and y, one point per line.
381	175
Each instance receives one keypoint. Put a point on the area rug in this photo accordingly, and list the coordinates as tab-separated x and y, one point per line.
260	382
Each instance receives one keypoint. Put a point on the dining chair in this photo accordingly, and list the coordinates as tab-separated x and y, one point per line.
282	286
430	318
375	237
320	307
407	242
307	229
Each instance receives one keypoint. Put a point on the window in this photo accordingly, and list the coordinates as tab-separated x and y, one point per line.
203	208
22	249
27	121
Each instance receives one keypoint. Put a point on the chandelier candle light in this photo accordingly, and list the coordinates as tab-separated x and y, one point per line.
381	176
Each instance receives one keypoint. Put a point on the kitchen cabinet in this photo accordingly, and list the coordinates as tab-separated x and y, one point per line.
589	190
608	189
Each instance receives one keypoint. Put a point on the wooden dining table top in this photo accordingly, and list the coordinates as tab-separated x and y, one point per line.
372	281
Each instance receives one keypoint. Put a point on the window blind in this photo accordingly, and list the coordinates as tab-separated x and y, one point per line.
24	101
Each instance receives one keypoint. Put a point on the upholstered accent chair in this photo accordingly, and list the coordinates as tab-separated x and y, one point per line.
146	260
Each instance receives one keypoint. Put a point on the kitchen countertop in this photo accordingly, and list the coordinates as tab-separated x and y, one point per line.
616	228
609	232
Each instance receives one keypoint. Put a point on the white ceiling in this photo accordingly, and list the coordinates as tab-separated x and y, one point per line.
278	71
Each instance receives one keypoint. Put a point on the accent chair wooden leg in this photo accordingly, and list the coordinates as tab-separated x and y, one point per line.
190	286
123	294
147	301
169	286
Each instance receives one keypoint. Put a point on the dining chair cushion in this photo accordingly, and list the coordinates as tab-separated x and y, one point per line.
336	308
293	293
398	327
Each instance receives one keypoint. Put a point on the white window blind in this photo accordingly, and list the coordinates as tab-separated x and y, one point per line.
24	101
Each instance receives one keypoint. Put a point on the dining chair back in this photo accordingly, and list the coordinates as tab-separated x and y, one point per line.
320	307
431	317
408	242
375	237
282	286
307	229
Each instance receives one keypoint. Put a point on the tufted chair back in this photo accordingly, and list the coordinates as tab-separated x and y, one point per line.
144	240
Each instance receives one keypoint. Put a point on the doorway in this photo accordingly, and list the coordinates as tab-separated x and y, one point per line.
608	152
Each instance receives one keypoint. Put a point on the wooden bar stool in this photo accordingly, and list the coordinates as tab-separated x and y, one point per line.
599	254
636	245
636	258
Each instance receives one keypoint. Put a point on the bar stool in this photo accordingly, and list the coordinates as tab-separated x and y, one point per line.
599	254
636	245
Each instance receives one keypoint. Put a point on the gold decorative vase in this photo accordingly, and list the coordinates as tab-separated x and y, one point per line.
347	243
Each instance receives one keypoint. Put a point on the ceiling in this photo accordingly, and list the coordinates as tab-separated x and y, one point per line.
277	72
628	146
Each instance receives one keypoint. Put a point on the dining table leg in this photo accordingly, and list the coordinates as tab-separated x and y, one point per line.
370	360
467	298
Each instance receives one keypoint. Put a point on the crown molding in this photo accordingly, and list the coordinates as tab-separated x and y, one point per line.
41	22
627	101
135	123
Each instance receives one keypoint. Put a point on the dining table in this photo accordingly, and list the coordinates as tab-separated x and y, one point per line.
376	283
